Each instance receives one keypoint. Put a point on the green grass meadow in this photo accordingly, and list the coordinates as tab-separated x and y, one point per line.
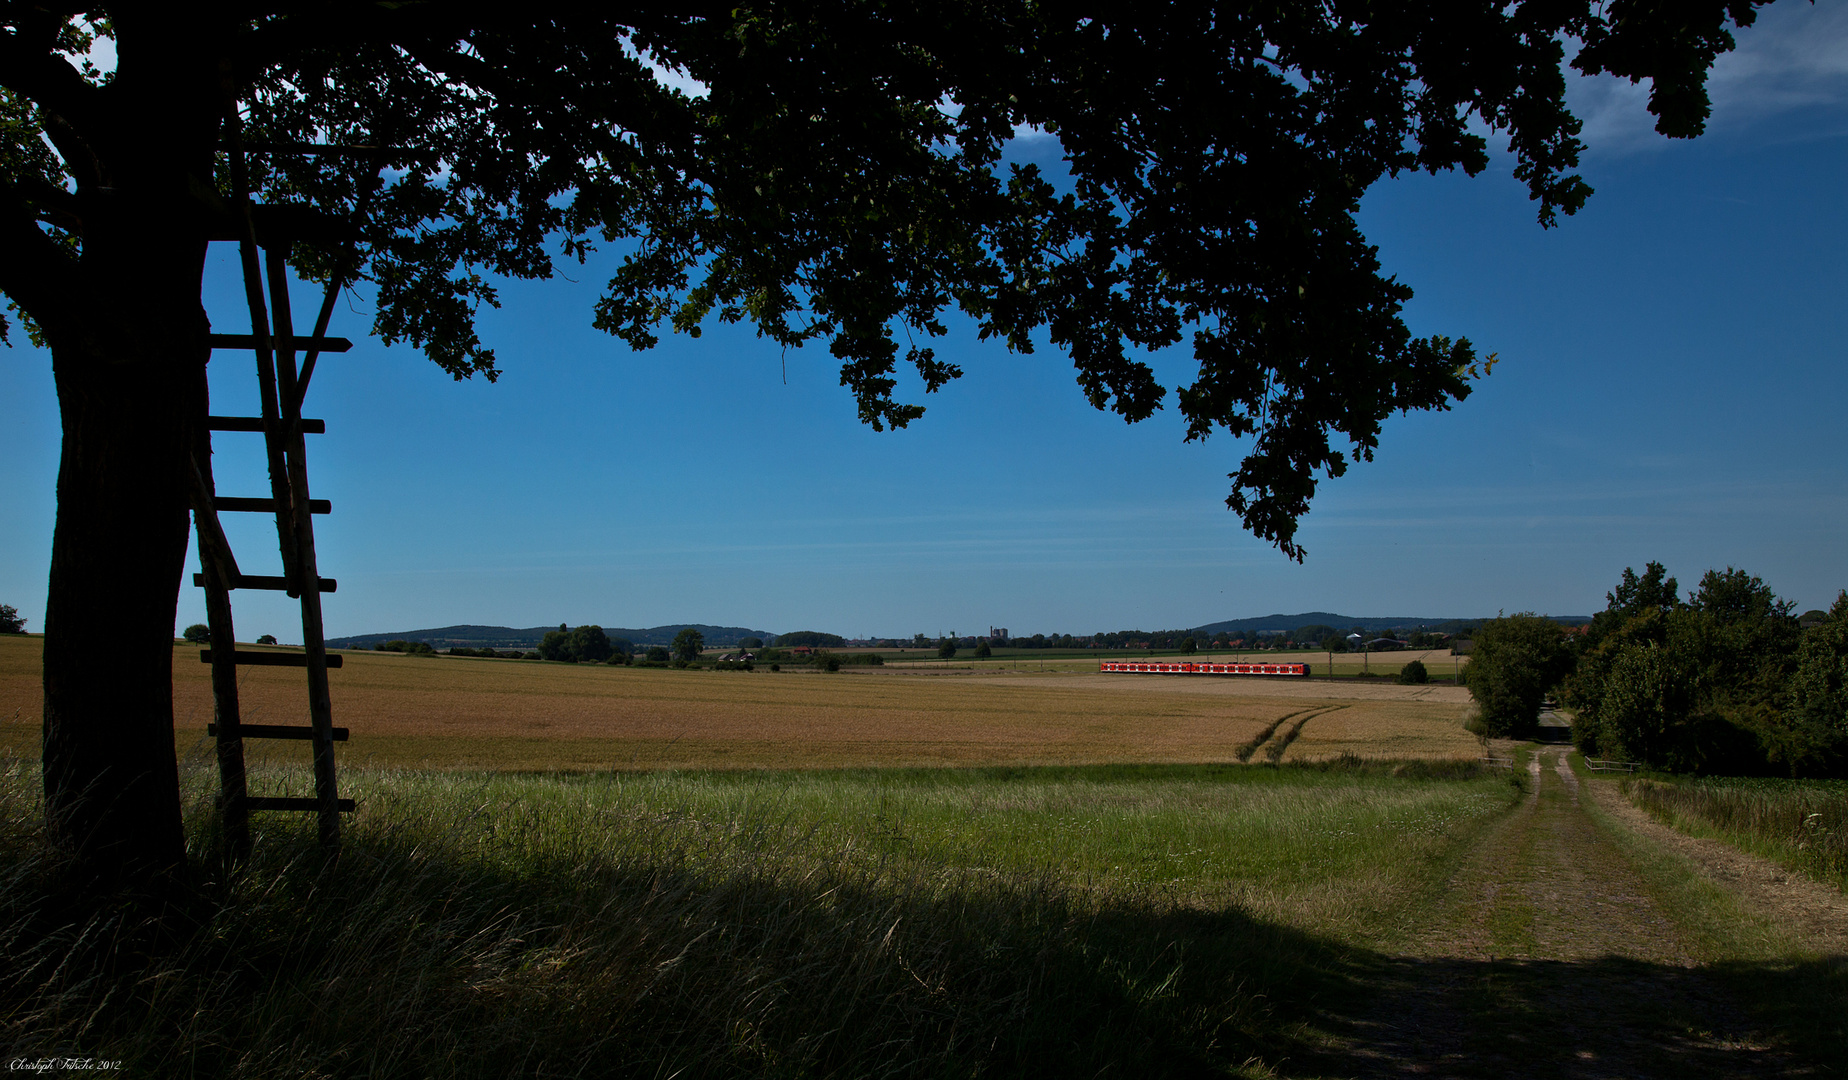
1111	920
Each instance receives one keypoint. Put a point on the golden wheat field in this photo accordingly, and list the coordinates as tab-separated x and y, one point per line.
444	712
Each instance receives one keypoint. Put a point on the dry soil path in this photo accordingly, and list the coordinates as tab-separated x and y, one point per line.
1553	956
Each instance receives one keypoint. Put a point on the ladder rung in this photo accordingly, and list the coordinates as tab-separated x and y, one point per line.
271	659
255	423
272	802
299	344
265	581
276	731
265	506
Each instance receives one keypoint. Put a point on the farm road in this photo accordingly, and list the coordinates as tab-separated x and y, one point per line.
1554	955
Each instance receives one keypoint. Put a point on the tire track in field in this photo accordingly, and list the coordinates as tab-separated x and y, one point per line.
1301	716
1274	752
1244	752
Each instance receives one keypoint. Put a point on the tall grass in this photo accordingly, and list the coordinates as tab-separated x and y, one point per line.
878	923
1800	823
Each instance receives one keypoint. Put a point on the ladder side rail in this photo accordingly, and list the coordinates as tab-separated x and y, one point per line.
220	573
282	340
314	640
260	331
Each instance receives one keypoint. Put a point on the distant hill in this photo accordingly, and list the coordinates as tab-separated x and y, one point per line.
1344	622
507	637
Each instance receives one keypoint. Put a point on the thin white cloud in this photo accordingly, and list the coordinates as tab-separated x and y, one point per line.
1794	57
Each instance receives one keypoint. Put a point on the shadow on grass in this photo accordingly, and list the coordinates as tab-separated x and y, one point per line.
413	957
454	939
1609	1017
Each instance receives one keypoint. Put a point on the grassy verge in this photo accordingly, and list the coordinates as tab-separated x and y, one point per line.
1801	824
1070	921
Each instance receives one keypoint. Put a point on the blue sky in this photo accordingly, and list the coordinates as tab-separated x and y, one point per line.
1671	387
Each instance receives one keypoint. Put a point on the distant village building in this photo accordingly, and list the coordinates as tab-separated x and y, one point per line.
997	633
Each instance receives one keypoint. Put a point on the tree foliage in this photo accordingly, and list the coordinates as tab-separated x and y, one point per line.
815	639
409	648
1517	660
1724	681
687	645
10	620
583	645
820	189
1819	684
197	633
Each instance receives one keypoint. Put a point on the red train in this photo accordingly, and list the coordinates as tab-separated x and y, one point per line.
1200	667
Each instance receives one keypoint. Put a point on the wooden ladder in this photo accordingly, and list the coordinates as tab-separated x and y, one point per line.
282	386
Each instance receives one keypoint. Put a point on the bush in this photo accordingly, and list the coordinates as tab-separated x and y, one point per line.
657	655
946	649
198	634
1414	674
267	639
10	622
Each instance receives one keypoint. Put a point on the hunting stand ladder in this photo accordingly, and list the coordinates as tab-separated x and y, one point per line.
264	236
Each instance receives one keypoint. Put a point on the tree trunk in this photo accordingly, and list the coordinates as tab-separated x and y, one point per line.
111	783
128	340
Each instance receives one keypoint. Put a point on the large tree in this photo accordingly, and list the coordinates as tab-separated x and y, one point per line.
841	176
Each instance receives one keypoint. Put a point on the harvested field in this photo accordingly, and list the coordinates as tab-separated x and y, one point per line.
505	714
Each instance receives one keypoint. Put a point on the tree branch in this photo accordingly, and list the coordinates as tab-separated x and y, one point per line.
36	272
51	83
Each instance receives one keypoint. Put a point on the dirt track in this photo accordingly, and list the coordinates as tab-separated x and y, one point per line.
1556	955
